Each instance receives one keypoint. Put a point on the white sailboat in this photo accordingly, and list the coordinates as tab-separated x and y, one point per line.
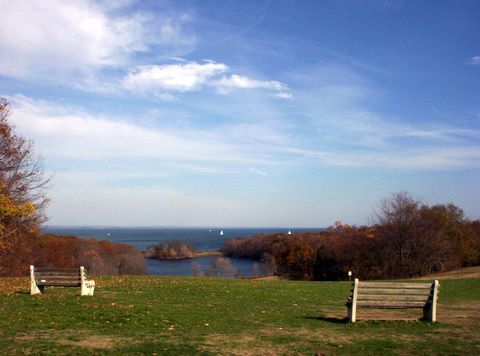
221	232
289	232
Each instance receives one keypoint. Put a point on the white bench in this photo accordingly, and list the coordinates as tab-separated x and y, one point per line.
63	277
388	295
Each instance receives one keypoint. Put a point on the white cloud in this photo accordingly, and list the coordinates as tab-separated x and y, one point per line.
226	83
165	96
178	59
408	158
192	76
63	133
475	60
238	81
284	95
174	77
54	37
257	171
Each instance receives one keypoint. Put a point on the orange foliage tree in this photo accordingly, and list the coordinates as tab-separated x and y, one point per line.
22	193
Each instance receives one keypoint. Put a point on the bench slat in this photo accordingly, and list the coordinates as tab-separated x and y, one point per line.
395	285
388	298
72	270
56	274
50	280
60	284
370	291
392	305
49	275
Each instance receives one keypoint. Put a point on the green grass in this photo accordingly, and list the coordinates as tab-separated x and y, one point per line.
161	315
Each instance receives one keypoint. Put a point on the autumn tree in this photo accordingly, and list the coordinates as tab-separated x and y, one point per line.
418	239
450	239
398	220
22	191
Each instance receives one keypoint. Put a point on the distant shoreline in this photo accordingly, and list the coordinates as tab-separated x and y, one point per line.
195	255
208	254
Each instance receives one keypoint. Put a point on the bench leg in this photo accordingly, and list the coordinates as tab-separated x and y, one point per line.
33	285
351	313
430	312
352	304
87	288
34	289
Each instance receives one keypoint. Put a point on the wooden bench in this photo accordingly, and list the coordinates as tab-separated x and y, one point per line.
387	295
63	277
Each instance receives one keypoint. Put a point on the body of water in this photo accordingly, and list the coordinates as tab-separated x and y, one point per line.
204	239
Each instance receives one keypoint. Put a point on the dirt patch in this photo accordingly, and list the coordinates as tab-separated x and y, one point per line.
241	344
410	315
468	272
326	335
465	315
43	335
77	339
91	342
260	343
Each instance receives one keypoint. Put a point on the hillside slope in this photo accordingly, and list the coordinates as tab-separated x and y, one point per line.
165	315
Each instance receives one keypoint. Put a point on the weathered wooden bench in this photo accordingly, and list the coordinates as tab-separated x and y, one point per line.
388	295
63	277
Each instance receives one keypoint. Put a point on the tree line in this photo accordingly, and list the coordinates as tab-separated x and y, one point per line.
99	257
410	239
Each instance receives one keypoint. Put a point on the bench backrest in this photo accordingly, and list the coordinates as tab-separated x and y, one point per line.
58	276
394	295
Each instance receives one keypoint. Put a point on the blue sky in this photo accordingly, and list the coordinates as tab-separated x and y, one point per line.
245	113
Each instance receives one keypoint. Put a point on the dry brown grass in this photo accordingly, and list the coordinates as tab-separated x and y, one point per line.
14	284
91	342
82	339
468	272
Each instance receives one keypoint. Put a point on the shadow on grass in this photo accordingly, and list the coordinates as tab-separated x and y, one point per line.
328	319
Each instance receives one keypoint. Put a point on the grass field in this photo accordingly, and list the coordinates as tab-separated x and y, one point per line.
162	315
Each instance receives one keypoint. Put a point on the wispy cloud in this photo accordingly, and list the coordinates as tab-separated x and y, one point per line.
70	133
172	77
54	38
475	60
238	81
257	171
357	141
193	76
284	95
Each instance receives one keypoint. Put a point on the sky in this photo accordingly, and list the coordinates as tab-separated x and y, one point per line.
245	113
